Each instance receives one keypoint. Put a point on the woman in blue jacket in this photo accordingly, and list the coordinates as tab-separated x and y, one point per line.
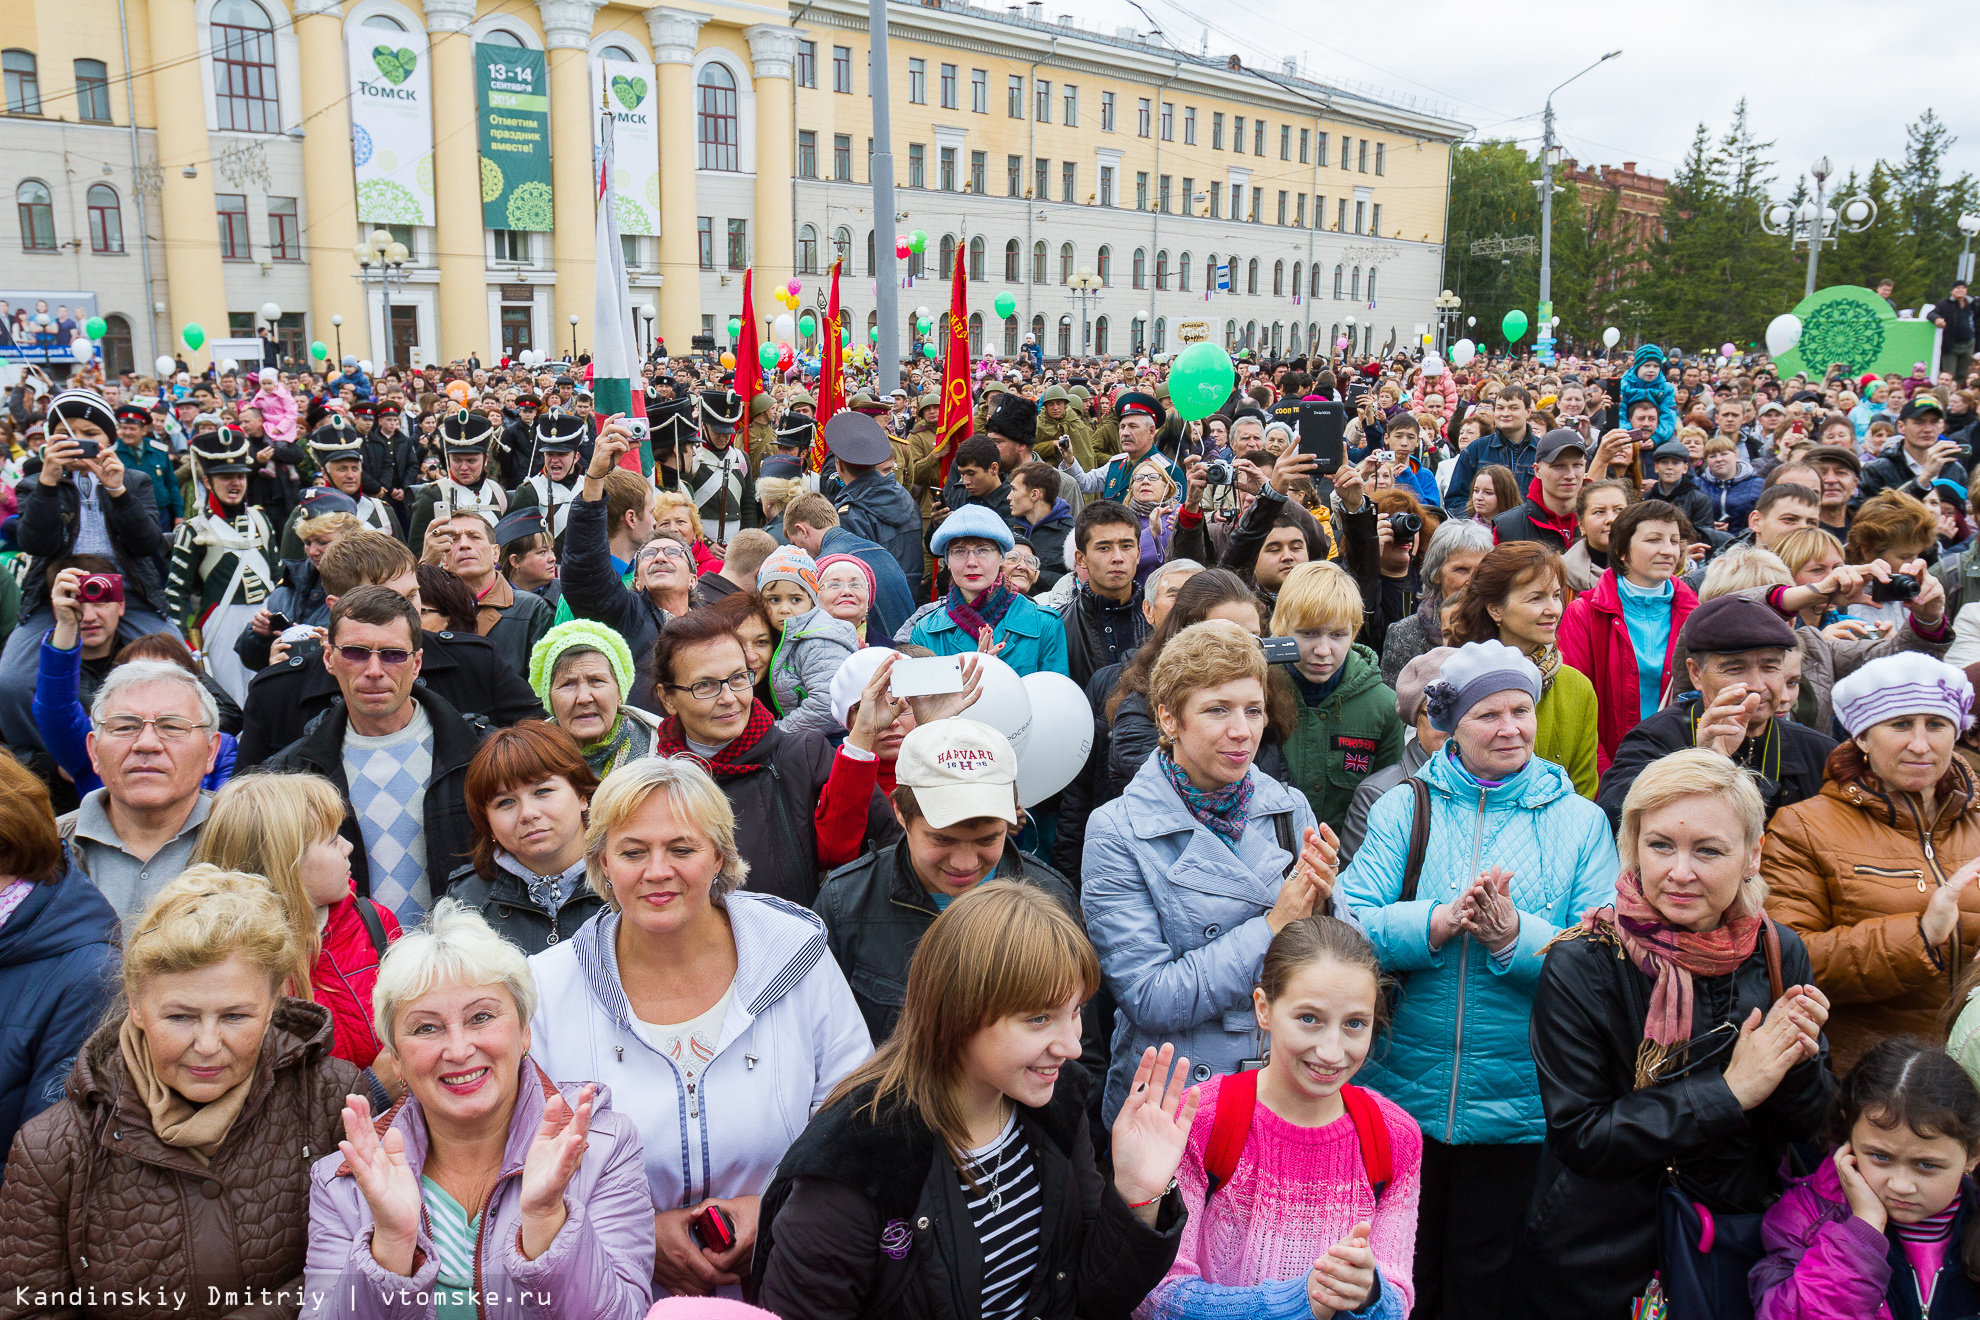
1514	856
972	542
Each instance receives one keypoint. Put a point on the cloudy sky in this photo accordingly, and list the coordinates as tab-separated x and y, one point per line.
1492	65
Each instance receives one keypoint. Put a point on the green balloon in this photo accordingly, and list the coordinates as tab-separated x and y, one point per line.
767	356
873	335
923	325
95	326
193	335
1514	325
1200	379
735	327
1006	305
846	337
807	324
918	242
929	350
319	350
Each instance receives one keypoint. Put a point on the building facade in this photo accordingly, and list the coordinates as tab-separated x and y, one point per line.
191	161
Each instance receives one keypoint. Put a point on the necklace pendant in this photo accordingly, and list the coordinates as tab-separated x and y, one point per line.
996	1202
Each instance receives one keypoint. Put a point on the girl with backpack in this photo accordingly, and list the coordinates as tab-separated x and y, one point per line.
1301	1188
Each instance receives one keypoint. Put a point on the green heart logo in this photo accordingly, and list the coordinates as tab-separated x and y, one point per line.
630	91
396	65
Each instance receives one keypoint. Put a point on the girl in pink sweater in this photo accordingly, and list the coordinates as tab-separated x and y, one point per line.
1297	1230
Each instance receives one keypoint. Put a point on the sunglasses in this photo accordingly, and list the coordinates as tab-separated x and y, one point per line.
389	656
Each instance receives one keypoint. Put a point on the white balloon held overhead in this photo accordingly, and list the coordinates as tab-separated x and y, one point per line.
1047	764
1005	704
1462	352
1783	333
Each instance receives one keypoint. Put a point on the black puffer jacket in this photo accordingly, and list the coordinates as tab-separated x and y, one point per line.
774	805
51	517
505	903
867	1219
1101	632
592	585
1590	1240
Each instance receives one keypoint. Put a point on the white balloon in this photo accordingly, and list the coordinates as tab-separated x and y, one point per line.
365	366
228	364
1611	337
1783	333
783	329
1462	352
166	364
1005	704
1048	764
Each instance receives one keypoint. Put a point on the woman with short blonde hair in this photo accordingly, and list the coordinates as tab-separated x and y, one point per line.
191	1103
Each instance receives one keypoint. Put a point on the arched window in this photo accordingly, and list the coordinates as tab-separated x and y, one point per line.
807	253
244	68
1313	278
1230	337
1278	335
1103	265
619	53
106	219
1141	268
1100	337
1210	273
23	82
1162	269
1038	331
917	263
1065	336
37	211
1340	273
976	258
1161	334
1065	263
1038	262
715	120
1251	334
1251	277
1182	271
391	24
1313	344
1011	262
1354	285
118	356
871	268
842	247
1010	335
493	37
1292	340
1299	268
1334	336
976	334
1371	284
948	266
1278	279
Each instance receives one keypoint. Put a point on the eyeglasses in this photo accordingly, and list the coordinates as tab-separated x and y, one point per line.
707	688
170	728
651	553
389	656
990	551
1027	561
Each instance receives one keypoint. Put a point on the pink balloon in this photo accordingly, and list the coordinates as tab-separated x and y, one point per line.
794	288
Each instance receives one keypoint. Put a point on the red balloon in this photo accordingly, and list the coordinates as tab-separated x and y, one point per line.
901	248
785	356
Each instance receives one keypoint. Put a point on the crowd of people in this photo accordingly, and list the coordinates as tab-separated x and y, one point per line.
462	853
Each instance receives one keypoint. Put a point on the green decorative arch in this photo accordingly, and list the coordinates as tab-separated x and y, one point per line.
1850	324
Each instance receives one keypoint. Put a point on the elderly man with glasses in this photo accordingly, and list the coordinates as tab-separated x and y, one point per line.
661	583
399	753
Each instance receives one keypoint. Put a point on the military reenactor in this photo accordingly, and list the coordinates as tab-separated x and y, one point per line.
144	451
717	477
552	489
221	569
467	486
335	449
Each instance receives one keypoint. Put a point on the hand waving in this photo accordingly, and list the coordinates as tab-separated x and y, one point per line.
553	1157
390	1187
1152	1129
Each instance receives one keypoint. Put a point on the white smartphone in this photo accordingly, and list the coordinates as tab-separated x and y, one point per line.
930	676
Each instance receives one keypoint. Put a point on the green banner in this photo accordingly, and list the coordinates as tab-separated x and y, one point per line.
513	89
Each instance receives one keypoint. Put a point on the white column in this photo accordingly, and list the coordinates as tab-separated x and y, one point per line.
567	33
675	34
772	51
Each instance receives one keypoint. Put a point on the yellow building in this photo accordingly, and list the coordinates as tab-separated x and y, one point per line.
269	142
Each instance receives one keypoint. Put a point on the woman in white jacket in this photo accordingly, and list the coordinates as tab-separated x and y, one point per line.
712	1013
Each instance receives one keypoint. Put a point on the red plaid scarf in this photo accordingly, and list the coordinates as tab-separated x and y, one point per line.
728	762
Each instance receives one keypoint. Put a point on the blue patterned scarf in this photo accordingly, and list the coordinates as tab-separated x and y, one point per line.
1222	811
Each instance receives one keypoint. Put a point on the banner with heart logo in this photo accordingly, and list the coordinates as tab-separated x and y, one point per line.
512	91
391	124
630	90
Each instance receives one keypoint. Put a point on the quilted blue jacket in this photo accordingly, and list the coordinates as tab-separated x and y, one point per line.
1456	1056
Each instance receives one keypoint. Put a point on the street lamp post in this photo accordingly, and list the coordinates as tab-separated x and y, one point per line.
1082	289
389	256
337	328
1814	224
1447	304
272	313
1969	225
1349	322
574	321
1548	149
646	314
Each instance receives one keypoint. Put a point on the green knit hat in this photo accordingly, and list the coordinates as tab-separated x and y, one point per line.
579	635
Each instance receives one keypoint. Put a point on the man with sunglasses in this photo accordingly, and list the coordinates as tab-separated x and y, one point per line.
397	750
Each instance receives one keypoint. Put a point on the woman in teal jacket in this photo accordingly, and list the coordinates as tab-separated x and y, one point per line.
1514	856
972	543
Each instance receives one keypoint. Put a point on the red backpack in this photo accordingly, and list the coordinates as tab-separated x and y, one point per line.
1237	1096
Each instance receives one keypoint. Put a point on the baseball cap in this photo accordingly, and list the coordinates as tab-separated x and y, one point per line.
1924	403
1558	441
959	770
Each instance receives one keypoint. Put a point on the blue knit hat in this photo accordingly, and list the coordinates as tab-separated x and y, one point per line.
1648	353
972	521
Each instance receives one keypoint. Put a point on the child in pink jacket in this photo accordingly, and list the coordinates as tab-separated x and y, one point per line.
1887	1227
278	408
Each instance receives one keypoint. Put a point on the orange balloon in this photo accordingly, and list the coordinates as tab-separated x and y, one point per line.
729	361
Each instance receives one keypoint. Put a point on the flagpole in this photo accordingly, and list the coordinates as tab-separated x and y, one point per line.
886	282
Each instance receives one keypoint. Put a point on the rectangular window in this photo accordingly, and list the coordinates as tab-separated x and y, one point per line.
917	165
842	157
1141	126
1360	214
979	172
1141	190
1282	206
1347	152
1257	206
1320	148
513	245
869	160
979	91
738	245
807	64
1305	144
1014	97
949	87
1189	125
1216	201
1106	185
1068	182
629	249
1042	91
1216	130
1257	137
1106	112
1237	133
23	78
284	232
244	76
1162	195
1362	167
1041	179
918	81
1381	157
1285	141
1299	212
842	69
234	245
1168	121
807	161
1188	196
1014	172
1340	217
106	219
1070	117
1375	219
93	95
948	166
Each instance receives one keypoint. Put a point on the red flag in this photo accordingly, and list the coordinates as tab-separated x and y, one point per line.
749	376
831	374
956	423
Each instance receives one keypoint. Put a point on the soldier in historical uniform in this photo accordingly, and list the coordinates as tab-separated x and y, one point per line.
466	486
717	476
221	568
338	454
551	490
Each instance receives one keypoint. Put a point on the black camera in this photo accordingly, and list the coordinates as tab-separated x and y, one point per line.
1404	524
1902	586
1217	472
